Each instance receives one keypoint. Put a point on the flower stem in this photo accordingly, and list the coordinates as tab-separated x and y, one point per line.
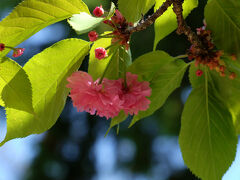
181	56
10	47
114	44
108	65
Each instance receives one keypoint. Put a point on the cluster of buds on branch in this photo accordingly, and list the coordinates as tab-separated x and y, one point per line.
16	51
210	57
119	36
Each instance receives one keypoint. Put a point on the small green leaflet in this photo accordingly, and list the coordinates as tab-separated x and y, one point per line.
117	120
224	22
166	23
207	138
164	73
15	87
30	16
114	61
133	10
47	72
111	11
84	22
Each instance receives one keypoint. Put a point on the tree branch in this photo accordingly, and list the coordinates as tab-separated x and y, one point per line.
151	19
183	28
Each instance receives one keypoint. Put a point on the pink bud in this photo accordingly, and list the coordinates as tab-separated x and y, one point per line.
2	46
100	53
109	22
98	11
18	52
92	35
199	72
118	18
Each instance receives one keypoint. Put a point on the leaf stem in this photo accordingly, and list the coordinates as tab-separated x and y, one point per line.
114	44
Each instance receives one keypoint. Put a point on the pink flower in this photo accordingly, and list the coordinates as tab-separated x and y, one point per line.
92	35
98	11
109	22
2	46
134	97
18	52
100	53
100	99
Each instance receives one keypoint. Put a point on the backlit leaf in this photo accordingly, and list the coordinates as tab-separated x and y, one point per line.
164	79
167	23
133	10
115	61
30	16
15	87
47	72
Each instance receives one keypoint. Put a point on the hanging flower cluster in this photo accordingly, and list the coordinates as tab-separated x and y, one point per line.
16	51
109	97
119	25
211	57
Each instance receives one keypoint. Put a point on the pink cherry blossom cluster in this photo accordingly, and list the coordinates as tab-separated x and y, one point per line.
108	98
16	51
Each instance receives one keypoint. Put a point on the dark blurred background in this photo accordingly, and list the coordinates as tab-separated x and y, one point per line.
75	147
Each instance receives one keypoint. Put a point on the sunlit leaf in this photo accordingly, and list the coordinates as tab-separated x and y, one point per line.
15	87
166	23
133	10
30	16
115	61
164	73
84	22
47	72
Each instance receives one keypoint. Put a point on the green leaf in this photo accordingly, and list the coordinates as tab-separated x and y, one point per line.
147	65
84	22
207	138
167	78
111	11
117	120
15	87
228	89
167	23
194	79
224	22
133	10
114	61
30	16
47	72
